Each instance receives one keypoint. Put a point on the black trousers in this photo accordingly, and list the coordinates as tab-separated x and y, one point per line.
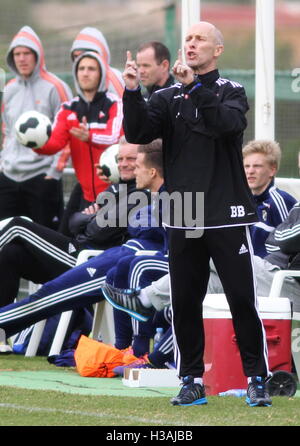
33	252
38	198
75	203
231	250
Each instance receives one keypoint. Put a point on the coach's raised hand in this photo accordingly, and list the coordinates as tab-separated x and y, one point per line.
130	74
182	72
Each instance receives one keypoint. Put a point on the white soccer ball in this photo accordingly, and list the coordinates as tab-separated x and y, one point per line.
33	129
108	163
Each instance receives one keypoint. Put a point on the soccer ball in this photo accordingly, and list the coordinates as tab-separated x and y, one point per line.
33	129
108	163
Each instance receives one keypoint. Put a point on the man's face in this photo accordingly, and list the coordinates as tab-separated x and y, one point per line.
126	161
25	60
88	74
201	48
259	172
150	72
143	173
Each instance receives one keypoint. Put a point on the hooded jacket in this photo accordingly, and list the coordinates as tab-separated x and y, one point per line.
91	39
42	91
104	116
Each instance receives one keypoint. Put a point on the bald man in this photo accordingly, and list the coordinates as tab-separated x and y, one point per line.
201	120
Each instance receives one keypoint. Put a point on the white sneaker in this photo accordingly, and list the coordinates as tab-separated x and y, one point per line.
4	347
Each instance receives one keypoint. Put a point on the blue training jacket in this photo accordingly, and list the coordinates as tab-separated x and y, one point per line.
273	207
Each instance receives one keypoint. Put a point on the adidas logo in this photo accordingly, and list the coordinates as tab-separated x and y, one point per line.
91	271
243	249
71	248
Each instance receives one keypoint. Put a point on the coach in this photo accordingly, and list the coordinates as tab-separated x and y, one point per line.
201	120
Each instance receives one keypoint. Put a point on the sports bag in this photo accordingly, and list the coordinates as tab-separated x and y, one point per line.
96	359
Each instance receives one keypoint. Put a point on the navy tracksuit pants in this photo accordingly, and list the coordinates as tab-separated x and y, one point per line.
133	272
78	287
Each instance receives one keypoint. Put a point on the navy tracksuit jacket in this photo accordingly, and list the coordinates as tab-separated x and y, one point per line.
81	285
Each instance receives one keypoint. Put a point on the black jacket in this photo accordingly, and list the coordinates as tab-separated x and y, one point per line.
202	130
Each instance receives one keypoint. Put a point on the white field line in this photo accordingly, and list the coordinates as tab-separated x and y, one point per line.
101	415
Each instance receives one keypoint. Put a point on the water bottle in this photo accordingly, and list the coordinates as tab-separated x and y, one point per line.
234	392
158	335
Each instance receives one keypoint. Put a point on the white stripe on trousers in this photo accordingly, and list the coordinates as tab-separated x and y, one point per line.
265	352
39	242
177	357
55	298
137	271
143	265
167	346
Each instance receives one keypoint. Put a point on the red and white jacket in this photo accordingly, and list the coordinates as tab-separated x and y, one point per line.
104	116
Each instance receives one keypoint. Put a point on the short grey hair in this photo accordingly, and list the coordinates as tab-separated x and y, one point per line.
219	37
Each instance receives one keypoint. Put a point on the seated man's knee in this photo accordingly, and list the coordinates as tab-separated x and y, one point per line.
11	254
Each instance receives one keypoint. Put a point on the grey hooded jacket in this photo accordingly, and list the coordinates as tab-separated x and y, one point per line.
42	91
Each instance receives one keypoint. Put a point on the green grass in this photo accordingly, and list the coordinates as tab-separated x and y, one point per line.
22	407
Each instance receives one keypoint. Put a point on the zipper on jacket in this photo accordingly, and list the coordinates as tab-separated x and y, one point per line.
91	154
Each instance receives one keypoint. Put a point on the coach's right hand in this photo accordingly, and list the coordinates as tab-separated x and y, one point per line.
130	75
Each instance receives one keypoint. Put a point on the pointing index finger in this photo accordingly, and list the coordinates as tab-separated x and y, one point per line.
180	55
129	56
